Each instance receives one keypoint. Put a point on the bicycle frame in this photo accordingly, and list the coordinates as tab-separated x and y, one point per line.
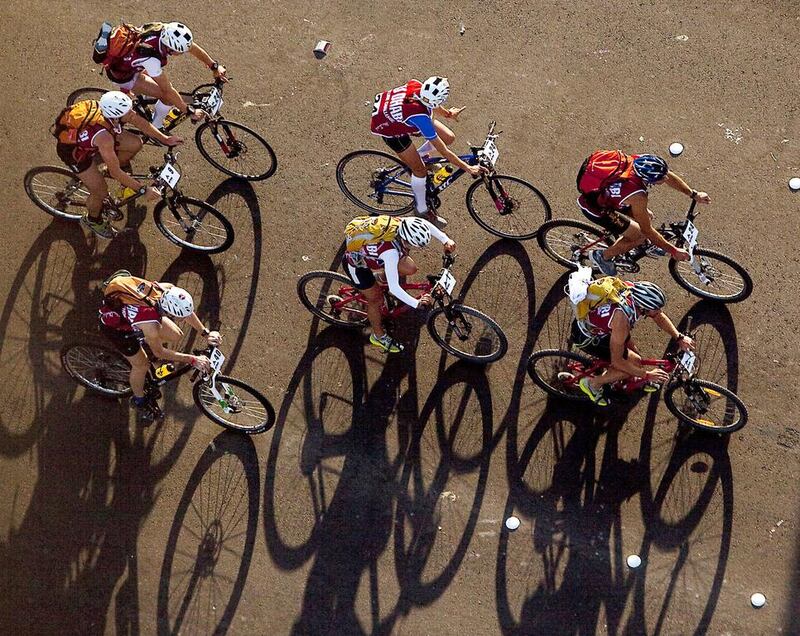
626	385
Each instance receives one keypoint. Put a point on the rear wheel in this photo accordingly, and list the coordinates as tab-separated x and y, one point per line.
507	207
193	224
728	282
333	298
706	406
102	369
88	92
57	191
376	181
238	406
558	373
236	150
569	242
467	333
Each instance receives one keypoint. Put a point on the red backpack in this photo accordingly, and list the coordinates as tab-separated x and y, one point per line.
602	168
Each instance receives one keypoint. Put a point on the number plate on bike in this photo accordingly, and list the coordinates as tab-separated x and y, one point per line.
169	175
447	281
490	152
213	102
690	234
688	360
217	359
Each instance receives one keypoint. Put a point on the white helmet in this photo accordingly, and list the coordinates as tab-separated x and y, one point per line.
176	302
176	36
115	104
434	91
414	231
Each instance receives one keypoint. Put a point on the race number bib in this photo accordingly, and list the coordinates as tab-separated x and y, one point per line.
170	175
447	281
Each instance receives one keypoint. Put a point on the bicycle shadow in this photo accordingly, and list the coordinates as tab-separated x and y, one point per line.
210	544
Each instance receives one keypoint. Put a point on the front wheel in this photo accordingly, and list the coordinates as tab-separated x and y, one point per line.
721	278
569	242
194	224
333	298
236	150
706	406
236	405
559	372
57	191
507	206
99	368
376	181
467	333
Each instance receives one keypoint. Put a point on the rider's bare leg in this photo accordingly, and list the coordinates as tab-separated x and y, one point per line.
139	366
170	333
98	190
128	145
374	296
147	86
630	238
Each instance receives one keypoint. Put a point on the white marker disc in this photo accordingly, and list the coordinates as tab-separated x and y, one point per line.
675	148
794	183
512	523
758	599
634	561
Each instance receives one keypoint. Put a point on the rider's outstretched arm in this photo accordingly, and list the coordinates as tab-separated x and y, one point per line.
199	53
436	232
676	183
668	327
391	259
148	129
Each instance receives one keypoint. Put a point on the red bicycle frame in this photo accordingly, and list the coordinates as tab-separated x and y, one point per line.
626	385
354	295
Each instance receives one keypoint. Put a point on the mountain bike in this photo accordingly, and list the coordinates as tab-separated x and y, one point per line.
226	145
226	401
503	205
699	403
185	221
708	274
462	331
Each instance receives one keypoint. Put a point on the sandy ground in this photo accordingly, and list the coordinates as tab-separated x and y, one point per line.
376	504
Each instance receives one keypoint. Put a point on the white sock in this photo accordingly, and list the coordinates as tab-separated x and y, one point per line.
426	149
159	112
418	186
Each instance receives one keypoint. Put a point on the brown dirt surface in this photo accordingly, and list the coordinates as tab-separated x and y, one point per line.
376	503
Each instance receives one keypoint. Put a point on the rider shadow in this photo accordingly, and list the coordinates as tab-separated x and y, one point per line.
210	544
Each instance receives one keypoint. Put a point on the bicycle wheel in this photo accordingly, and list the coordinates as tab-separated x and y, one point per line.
102	369
706	406
333	298
236	150
240	407
88	92
556	372
729	282
509	207
567	242
57	191
468	334
194	224
376	181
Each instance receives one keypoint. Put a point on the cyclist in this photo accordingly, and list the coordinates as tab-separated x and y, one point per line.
128	319
393	260
621	208
409	110
95	130
140	69
605	332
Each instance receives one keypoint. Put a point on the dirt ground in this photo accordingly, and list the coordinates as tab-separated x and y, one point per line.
376	503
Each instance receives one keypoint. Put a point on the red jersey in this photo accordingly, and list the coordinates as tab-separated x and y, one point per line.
393	108
149	46
86	136
613	196
128	317
370	254
598	320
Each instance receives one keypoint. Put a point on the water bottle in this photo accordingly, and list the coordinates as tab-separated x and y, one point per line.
442	174
101	43
164	370
171	117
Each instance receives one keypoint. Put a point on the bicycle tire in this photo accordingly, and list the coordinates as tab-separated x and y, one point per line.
678	268
165	221
445	339
315	306
363	202
41	203
575	395
264	420
87	92
489	221
99	358
260	176
704	424
552	234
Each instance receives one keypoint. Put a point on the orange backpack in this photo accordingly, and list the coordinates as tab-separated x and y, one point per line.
122	41
602	168
73	118
123	289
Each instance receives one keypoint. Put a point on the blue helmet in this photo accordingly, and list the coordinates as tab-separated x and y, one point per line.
650	168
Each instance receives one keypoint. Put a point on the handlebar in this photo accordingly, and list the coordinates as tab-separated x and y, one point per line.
448	260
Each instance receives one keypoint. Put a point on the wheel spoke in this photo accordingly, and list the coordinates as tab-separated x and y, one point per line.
515	211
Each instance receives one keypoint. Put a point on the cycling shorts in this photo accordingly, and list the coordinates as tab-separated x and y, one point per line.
398	144
362	277
76	159
128	343
597	346
612	221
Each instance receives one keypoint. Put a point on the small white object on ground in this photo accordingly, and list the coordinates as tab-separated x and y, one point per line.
634	561
758	599
462	29
322	48
675	148
794	183
641	138
512	523
682	38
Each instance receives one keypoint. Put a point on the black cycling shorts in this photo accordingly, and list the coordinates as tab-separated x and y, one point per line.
596	346
398	144
75	159
362	277
610	220
128	343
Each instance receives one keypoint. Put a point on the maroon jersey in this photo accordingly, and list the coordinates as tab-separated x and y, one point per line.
392	109
149	46
598	320
613	196
370	255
